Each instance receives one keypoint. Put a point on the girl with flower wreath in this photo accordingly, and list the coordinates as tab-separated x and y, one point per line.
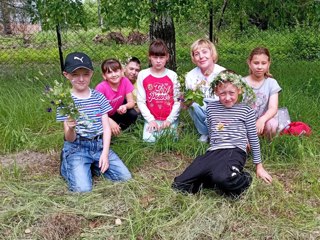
266	89
231	126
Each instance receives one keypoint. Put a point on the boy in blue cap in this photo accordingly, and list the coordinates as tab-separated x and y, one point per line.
86	147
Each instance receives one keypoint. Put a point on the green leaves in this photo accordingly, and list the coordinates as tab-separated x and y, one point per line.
191	96
59	97
51	13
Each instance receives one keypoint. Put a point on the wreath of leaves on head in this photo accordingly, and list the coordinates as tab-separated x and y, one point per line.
247	94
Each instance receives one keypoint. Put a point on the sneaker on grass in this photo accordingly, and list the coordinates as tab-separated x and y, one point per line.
203	138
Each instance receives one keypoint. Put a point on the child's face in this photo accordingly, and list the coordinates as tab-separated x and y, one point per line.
203	58
259	65
131	71
79	78
113	77
228	94
158	63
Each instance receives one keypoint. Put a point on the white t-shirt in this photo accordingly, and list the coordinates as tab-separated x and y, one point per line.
195	76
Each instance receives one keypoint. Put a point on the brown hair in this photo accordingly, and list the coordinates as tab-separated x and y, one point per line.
110	64
158	48
202	42
259	51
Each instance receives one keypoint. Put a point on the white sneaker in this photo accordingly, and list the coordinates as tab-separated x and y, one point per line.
203	138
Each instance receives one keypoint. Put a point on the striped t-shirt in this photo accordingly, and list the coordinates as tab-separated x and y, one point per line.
233	127
91	109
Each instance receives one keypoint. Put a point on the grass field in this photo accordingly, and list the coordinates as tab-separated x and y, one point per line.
35	202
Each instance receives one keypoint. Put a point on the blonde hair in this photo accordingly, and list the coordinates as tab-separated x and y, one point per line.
259	51
202	42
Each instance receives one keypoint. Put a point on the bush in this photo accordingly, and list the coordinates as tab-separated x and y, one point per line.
306	45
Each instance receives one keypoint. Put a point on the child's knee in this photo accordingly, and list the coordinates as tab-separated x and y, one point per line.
271	126
185	187
238	184
81	188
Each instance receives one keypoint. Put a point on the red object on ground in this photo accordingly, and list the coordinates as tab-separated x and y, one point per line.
297	129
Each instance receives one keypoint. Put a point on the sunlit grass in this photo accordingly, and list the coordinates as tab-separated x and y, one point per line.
35	202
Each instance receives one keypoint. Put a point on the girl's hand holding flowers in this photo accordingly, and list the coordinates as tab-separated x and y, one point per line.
165	124
192	95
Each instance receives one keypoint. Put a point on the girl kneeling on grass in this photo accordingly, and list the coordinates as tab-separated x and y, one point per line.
157	96
266	89
231	125
119	92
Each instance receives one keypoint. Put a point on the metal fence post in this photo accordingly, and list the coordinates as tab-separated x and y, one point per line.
60	47
211	22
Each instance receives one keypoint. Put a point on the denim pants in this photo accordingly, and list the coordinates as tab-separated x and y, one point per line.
80	159
199	115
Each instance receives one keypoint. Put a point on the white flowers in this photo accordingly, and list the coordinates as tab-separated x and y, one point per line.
247	93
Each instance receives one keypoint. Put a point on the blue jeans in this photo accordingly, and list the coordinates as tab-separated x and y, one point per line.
81	158
199	117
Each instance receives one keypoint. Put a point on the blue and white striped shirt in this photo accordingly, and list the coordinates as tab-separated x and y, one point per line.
91	109
233	127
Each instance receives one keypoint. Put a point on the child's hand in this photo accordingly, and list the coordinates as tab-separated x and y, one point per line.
103	162
165	124
153	126
122	109
263	174
184	104
115	128
260	125
71	123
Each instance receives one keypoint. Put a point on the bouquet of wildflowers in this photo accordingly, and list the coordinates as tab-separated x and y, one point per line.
193	95
59	97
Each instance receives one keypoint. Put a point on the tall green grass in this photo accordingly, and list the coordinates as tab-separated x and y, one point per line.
35	202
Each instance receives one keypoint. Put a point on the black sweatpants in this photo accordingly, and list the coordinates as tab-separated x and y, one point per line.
219	169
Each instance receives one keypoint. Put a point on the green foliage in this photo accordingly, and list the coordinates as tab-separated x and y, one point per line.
134	14
306	46
62	12
120	14
271	14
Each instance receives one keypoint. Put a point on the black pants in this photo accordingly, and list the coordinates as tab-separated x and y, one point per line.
125	120
220	169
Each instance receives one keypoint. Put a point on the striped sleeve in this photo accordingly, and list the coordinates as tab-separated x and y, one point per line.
253	136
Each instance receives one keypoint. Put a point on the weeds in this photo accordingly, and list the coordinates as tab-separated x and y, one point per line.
35	202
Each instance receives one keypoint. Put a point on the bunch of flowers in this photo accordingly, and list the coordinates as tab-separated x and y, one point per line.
60	99
247	94
193	95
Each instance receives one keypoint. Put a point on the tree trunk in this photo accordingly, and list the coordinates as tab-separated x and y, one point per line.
6	21
162	26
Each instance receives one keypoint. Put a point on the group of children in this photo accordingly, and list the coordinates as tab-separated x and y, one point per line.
230	126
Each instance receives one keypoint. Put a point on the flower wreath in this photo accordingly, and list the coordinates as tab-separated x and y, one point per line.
247	94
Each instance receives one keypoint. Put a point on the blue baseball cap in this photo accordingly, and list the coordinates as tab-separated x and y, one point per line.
77	60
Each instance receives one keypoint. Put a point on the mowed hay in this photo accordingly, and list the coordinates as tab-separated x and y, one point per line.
60	226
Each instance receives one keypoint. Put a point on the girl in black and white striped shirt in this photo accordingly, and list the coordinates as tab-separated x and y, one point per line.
231	126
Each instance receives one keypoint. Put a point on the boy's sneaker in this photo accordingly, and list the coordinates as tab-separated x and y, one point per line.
203	138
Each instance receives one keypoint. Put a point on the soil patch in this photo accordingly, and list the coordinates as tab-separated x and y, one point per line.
167	165
33	162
